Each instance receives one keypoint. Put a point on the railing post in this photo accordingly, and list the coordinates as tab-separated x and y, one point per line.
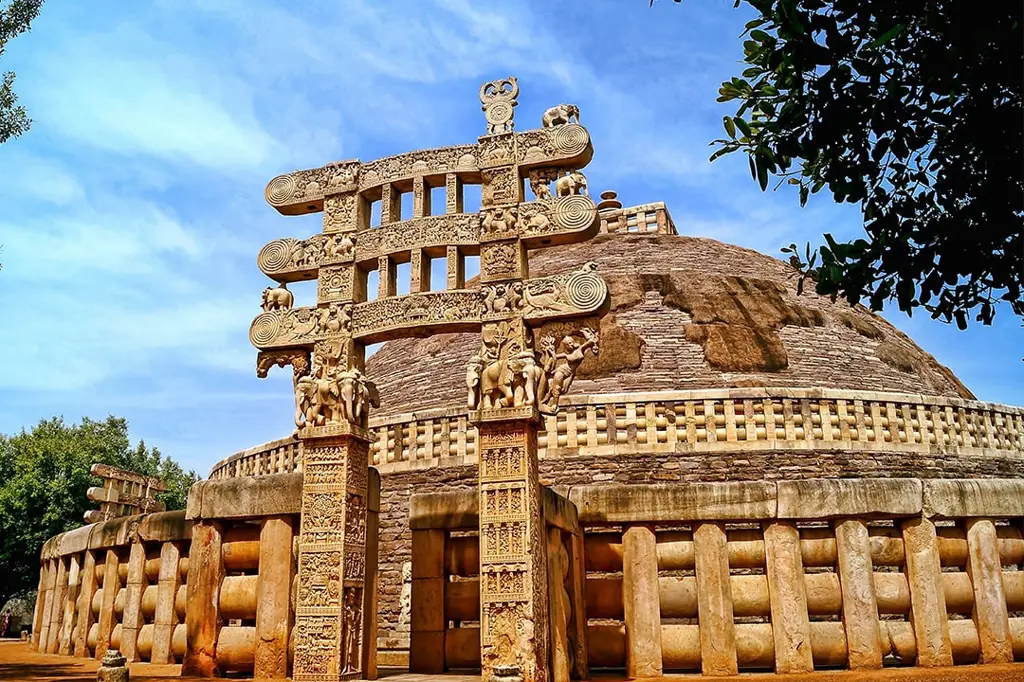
131	621
990	614
791	629
85	617
111	585
860	609
273	598
641	602
166	618
60	589
714	600
927	601
70	603
202	620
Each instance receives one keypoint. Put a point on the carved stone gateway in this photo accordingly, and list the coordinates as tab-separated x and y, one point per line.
510	382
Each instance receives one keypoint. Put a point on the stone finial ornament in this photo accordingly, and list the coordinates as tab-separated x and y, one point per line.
113	667
499	99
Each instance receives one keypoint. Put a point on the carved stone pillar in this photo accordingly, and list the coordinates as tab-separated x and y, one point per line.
513	563
332	554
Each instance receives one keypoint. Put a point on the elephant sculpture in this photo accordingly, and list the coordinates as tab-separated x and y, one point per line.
561	115
495	385
277	298
573	183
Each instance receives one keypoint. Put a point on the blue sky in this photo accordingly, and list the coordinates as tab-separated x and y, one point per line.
133	210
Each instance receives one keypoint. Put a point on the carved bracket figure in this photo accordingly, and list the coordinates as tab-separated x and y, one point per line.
573	183
560	115
559	365
277	298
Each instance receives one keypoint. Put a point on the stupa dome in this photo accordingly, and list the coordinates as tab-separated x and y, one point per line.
689	313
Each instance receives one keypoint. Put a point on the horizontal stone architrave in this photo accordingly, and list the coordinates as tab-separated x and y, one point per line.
238	498
660	502
434	233
829	498
118	532
958	498
460	510
401	444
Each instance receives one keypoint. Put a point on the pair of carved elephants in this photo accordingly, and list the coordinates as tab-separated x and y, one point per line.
346	397
560	115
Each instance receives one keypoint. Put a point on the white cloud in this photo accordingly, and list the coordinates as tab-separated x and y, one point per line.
127	93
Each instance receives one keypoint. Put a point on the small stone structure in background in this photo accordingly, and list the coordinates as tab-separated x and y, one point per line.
123	493
113	668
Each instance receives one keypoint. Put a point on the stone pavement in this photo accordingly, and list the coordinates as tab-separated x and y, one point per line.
18	663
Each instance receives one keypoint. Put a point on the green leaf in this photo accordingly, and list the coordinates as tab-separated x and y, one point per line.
743	126
730	127
886	37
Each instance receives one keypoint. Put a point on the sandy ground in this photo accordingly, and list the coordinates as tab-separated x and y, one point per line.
18	662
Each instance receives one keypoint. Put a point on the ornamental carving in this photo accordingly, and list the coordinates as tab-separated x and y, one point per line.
277	298
340	213
429	308
501	299
498	101
559	362
333	396
323	588
283	328
424	162
561	114
439	230
289	258
339	247
297	358
574	294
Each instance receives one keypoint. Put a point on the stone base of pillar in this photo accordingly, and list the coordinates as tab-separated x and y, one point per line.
513	557
332	554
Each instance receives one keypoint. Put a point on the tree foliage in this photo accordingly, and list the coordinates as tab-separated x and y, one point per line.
44	474
910	109
15	18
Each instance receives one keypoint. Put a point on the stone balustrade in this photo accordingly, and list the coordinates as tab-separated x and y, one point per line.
790	576
717	420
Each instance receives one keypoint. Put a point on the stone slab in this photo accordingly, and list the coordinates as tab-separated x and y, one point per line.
454	510
740	501
994	498
559	511
250	497
822	498
165	527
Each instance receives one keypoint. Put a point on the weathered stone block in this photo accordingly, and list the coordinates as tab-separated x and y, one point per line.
663	502
833	498
976	497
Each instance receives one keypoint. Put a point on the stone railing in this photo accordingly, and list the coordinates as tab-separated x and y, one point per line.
717	420
723	578
652	218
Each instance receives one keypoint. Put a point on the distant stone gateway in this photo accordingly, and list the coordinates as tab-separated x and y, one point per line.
614	448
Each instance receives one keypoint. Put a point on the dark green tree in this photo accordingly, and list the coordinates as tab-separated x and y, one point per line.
44	474
910	109
15	18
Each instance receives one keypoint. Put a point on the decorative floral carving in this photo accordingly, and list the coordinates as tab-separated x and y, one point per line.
283	328
499	260
423	162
